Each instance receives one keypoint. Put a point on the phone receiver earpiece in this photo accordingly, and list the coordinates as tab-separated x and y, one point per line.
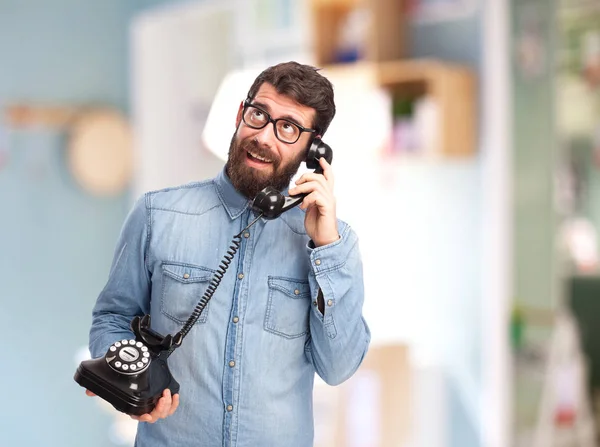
317	150
271	203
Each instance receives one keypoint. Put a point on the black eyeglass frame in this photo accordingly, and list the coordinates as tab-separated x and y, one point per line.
271	120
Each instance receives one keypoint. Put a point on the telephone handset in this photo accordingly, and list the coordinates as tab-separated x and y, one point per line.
271	203
133	373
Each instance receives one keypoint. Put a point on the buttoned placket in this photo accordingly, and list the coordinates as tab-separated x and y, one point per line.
230	369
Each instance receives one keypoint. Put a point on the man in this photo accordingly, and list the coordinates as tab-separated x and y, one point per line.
290	304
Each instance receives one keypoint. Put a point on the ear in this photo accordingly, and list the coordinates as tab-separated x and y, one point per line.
312	140
238	118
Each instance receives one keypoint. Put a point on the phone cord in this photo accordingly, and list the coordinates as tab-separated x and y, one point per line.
212	287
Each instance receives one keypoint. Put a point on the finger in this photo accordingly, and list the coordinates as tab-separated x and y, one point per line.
302	179
161	410
324	202
162	406
313	199
316	178
327	171
307	204
143	418
152	417
166	409
303	189
307	188
89	393
174	405
311	177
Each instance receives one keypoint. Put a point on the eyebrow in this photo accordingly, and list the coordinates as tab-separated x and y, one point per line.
284	117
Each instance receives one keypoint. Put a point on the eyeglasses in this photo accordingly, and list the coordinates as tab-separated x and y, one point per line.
286	131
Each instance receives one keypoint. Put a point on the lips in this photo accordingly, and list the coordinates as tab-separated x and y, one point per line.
258	157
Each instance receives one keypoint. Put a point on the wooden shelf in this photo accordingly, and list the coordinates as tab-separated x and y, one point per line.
386	39
452	88
29	115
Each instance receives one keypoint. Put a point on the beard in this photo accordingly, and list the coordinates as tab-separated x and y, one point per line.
250	181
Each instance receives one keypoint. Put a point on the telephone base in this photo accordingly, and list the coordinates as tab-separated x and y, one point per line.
135	394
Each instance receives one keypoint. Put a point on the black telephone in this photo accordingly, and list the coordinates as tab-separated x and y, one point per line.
133	373
271	203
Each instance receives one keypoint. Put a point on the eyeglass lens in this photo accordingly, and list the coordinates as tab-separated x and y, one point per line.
285	131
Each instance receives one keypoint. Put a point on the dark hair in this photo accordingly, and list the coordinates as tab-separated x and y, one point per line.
304	85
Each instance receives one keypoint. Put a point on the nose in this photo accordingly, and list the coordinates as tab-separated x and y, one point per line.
266	136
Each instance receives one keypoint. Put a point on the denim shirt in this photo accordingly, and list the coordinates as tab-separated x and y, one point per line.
246	368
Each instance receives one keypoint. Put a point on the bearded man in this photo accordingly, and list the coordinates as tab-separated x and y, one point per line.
289	306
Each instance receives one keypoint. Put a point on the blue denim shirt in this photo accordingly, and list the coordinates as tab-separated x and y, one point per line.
246	368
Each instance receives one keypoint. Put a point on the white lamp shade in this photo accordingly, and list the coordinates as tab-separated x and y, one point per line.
220	123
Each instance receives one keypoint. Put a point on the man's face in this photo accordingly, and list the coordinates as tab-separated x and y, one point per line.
257	159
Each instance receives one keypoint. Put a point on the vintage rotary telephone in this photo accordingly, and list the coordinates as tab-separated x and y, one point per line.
133	373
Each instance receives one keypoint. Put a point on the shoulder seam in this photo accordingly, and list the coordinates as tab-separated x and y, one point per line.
191	185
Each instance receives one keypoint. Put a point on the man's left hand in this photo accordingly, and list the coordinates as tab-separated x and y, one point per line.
321	220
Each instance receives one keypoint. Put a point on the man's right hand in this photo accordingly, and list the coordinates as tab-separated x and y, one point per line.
165	407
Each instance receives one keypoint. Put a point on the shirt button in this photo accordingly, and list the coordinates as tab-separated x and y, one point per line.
241	276
246	235
186	276
229	407
318	262
329	302
315	302
232	363
297	292
236	319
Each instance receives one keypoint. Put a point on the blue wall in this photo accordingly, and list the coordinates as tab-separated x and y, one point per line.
56	241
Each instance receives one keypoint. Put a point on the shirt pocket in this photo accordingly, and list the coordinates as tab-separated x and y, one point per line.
183	286
288	307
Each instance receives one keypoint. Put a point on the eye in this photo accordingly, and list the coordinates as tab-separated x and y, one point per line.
257	115
288	128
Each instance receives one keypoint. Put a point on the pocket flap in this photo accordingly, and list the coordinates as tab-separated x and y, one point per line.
187	273
295	288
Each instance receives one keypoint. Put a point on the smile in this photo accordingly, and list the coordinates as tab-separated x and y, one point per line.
259	158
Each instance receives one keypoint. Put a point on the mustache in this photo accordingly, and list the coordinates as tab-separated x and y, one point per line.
255	148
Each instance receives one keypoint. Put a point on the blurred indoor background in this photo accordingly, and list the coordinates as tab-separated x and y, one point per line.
467	158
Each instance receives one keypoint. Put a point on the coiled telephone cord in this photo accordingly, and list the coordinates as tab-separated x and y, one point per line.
212	287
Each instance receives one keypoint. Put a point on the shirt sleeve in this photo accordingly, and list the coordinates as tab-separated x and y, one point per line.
127	291
340	337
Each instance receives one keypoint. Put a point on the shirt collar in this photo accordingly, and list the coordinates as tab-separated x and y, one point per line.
234	202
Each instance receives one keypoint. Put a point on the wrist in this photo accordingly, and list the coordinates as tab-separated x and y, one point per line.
325	241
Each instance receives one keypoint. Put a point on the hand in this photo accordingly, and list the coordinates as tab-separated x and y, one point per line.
165	407
320	221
